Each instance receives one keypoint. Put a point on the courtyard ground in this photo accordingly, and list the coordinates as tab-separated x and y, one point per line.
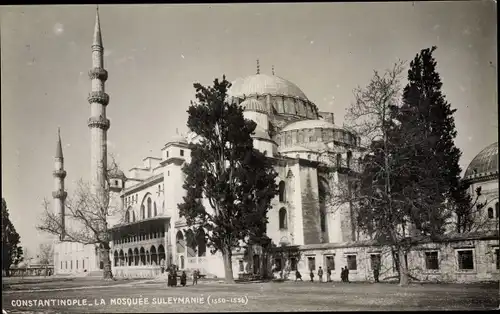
145	296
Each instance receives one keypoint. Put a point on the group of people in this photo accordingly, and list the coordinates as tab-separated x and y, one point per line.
344	275
298	275
172	276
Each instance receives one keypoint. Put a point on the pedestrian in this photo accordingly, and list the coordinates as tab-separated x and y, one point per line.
328	274
183	278
195	277
342	274
376	271
320	274
312	275
346	274
298	276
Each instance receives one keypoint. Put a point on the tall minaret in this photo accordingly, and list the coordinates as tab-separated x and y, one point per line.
59	194
98	123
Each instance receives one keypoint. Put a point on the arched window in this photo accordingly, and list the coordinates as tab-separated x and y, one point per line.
155	210
142	212
490	213
349	157
282	191
133	216
282	218
339	160
127	216
149	207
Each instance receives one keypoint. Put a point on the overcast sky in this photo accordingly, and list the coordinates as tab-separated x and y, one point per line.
154	54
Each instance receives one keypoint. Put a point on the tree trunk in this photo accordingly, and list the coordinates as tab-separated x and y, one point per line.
107	273
228	265
403	271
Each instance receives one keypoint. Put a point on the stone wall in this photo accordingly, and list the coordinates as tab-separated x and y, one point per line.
484	251
310	205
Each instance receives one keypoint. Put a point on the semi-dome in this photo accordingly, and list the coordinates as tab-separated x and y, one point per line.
309	124
251	104
485	163
263	84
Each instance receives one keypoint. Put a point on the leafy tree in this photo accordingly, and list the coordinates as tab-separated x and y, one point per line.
237	181
372	194
86	218
12	253
426	109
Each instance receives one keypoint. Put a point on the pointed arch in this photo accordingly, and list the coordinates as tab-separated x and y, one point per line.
127	215
149	207
201	242
155	213
143	212
282	196
283	218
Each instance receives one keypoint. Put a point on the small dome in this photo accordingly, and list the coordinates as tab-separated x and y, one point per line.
485	163
178	139
251	104
309	124
263	84
116	174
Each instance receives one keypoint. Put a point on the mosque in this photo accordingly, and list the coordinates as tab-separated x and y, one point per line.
313	158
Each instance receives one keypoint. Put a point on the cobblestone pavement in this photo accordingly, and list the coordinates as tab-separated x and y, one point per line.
150	296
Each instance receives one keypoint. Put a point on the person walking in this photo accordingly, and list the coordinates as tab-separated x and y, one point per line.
298	276
311	275
320	274
342	274
346	274
328	274
183	278
376	270
195	277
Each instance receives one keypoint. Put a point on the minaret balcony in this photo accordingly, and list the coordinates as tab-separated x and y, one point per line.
97	48
98	73
60	194
98	97
99	122
59	173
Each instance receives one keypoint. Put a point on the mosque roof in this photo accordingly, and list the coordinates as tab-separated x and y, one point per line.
485	163
309	124
251	104
263	84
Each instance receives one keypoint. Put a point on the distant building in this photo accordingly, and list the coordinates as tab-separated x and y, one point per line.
301	142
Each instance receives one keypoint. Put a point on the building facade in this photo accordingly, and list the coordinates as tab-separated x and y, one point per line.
313	158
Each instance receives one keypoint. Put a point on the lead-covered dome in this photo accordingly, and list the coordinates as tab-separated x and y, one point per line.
263	84
485	163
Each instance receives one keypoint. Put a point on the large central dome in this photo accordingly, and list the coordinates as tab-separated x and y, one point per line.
263	84
485	163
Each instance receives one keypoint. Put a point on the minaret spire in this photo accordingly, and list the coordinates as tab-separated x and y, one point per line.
97	30
258	67
59	195
59	153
